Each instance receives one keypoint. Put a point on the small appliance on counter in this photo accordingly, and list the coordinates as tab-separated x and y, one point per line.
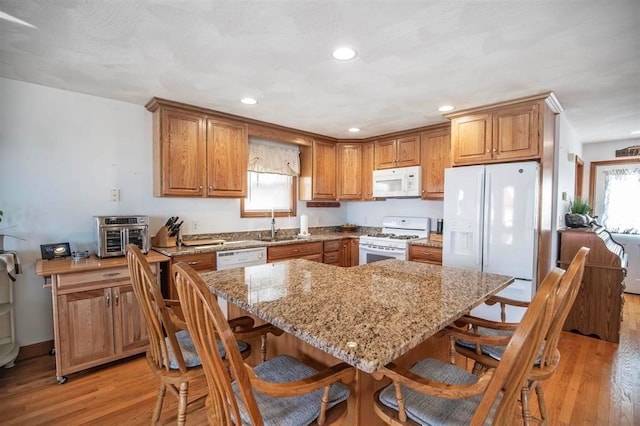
113	233
437	235
168	235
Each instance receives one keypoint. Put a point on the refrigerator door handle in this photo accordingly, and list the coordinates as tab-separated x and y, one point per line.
480	193
487	220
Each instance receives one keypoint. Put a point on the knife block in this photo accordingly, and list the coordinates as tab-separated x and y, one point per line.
162	238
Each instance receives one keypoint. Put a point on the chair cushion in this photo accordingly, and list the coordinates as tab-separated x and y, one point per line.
295	410
431	410
189	354
495	352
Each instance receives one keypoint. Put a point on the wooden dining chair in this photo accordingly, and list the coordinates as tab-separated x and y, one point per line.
485	340
280	391
171	355
435	392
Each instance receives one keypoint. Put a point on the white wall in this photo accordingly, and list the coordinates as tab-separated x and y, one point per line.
370	213
568	146
60	154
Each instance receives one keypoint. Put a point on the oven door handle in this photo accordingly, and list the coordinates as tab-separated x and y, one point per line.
375	250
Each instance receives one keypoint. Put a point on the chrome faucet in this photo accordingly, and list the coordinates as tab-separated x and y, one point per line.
273	228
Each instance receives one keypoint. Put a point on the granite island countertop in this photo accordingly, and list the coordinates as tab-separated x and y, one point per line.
366	315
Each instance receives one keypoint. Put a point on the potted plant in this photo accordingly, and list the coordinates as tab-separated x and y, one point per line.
578	216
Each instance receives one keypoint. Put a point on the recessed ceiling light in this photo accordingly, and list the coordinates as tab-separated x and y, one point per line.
344	53
636	132
354	129
248	101
445	108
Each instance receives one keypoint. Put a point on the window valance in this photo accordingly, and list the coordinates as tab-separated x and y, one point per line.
273	157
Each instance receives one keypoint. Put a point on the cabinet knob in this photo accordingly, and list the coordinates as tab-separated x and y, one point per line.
200	187
488	151
210	187
495	150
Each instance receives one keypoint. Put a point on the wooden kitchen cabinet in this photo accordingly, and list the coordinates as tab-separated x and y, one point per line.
227	158
349	254
425	254
197	155
349	161
597	309
512	132
435	151
368	165
201	262
311	251
397	152
98	325
318	171
332	251
96	317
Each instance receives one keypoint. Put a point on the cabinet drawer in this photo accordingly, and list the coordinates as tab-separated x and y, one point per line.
425	254
291	251
199	262
332	257
332	245
98	276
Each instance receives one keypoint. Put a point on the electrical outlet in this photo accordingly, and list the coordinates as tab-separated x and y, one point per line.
115	194
194	226
564	195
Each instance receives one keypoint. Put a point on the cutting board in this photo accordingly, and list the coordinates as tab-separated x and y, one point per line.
191	243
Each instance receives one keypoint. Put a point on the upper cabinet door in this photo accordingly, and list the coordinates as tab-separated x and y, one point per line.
436	156
399	152
515	132
385	154
408	151
367	170
324	170
227	151
180	146
471	139
349	161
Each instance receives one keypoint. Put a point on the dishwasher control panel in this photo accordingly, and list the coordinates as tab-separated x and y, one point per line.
242	257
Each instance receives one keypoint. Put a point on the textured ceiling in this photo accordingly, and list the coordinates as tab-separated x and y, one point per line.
413	56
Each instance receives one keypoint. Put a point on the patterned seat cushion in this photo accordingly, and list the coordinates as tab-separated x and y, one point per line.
296	410
495	352
431	410
191	358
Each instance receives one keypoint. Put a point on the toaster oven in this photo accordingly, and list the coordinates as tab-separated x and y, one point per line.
113	233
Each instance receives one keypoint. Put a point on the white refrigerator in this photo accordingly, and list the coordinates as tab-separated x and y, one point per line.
491	225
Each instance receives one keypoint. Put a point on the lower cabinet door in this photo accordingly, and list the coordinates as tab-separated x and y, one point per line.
85	321
129	323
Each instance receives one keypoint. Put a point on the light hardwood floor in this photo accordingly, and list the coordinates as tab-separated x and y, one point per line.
597	383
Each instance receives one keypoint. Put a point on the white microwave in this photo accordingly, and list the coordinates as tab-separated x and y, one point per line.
398	182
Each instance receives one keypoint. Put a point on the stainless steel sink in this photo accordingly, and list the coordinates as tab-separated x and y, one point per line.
276	239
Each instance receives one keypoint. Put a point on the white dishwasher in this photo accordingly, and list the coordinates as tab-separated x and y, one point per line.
240	258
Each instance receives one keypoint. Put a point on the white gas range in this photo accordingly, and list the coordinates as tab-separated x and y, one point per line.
392	242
